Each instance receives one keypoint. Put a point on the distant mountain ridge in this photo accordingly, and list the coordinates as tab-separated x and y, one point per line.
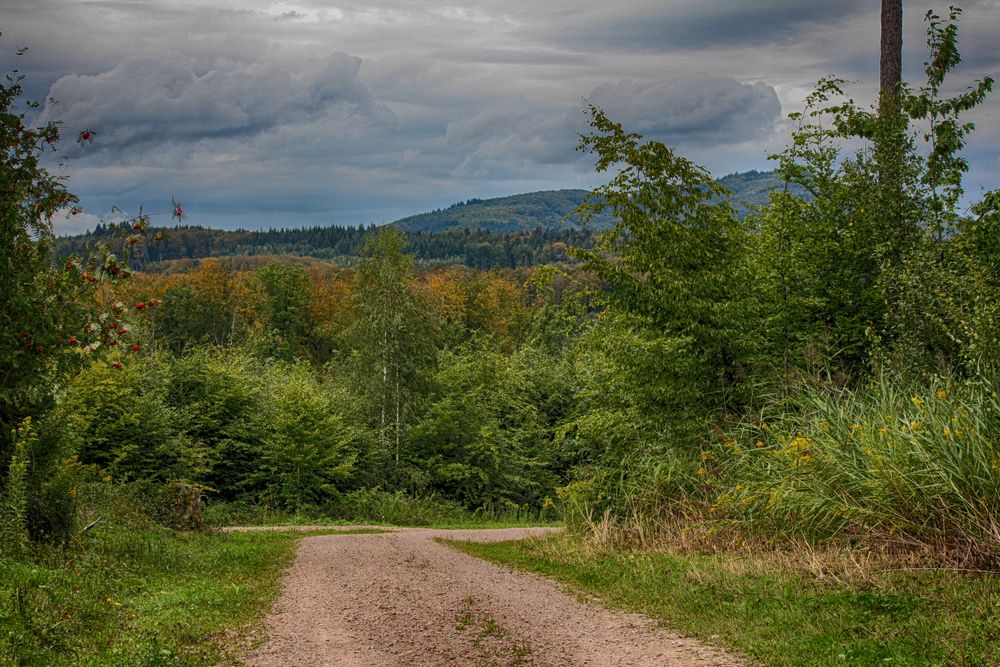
549	209
546	209
505	232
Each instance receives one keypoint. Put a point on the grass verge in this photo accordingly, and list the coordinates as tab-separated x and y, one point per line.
147	597
778	614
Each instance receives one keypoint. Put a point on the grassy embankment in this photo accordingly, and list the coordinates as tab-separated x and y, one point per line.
807	606
139	598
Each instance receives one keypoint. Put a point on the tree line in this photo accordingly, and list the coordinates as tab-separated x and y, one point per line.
474	248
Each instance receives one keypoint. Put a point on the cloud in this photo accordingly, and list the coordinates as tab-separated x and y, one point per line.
515	57
674	26
65	223
149	99
691	110
499	142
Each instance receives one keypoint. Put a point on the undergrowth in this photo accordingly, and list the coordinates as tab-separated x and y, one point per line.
914	465
375	506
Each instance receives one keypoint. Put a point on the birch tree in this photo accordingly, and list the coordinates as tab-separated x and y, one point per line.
392	335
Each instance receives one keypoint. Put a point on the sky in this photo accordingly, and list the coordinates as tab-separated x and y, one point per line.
256	114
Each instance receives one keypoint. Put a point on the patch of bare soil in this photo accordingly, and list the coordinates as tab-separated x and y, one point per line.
402	599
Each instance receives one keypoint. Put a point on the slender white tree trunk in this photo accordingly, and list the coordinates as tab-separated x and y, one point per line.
398	415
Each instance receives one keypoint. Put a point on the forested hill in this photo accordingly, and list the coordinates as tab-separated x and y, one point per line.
551	209
548	209
505	232
751	188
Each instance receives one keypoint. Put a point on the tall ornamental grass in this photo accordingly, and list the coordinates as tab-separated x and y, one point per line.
918	467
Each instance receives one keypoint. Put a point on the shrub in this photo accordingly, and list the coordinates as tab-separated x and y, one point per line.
917	465
308	450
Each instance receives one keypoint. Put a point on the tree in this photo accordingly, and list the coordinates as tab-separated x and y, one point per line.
482	440
213	304
40	305
288	290
308	450
891	59
393	335
672	266
878	224
51	321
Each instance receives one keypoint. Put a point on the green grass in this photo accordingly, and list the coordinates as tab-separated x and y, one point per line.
777	614
140	598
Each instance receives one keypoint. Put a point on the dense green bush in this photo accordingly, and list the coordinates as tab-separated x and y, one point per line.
125	426
224	422
397	508
482	440
308	450
216	396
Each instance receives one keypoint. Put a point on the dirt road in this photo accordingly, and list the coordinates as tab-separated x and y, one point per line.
402	599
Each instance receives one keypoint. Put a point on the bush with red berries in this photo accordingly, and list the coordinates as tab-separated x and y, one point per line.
52	322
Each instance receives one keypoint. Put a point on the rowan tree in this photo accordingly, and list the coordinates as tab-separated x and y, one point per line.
51	318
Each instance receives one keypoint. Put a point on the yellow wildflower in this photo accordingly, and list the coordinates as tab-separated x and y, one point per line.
760	443
701	471
798	444
942	394
914	426
916	401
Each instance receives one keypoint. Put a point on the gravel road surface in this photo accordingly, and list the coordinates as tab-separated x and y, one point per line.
402	599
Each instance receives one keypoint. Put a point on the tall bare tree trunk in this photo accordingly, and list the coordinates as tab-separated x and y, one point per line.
890	138
891	60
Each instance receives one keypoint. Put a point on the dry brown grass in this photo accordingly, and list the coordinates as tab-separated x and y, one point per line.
848	561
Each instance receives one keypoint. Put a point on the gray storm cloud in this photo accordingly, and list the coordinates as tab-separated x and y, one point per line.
691	110
153	99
